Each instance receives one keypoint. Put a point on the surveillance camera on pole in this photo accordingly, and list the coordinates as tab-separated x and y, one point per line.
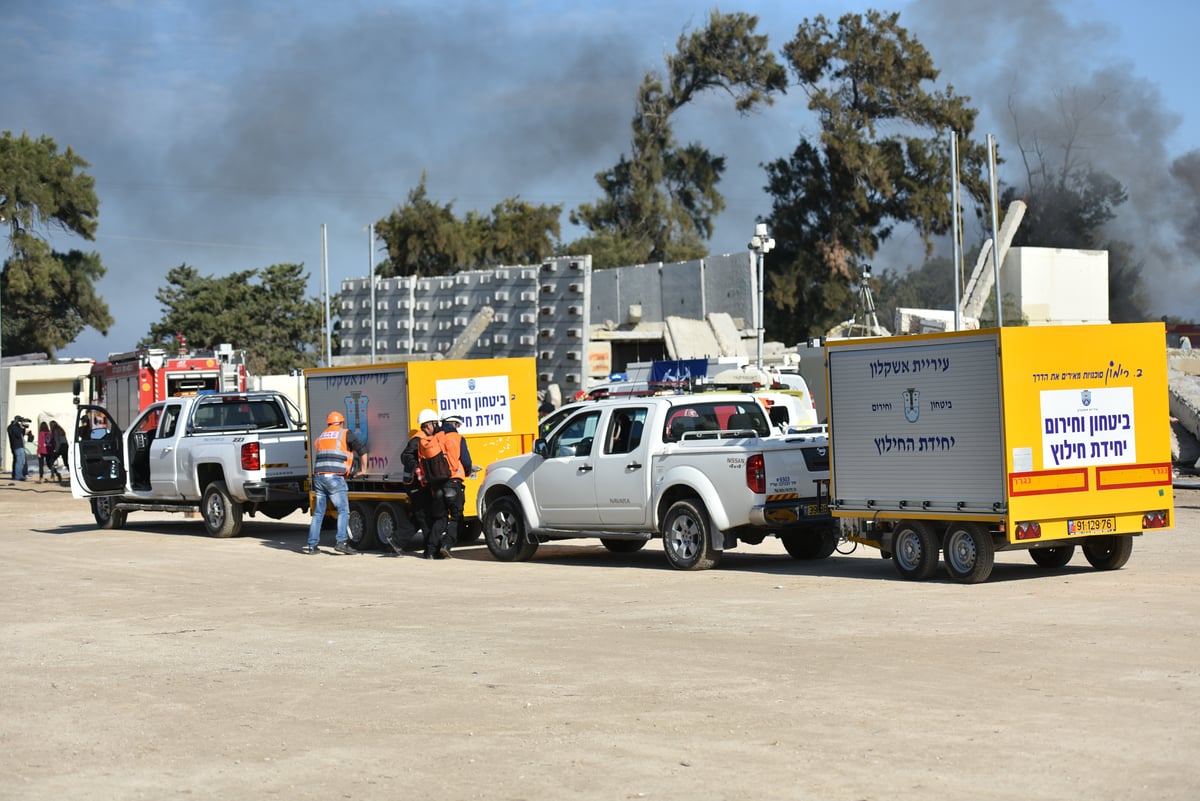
760	244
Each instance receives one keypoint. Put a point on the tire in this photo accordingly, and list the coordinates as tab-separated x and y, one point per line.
686	537
469	532
969	553
222	514
815	543
102	510
1052	558
1108	553
915	550
622	546
361	528
392	523
504	530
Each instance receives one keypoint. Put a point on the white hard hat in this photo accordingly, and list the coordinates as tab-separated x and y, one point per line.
427	416
453	418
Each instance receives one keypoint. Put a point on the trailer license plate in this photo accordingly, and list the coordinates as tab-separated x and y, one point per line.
1092	525
814	509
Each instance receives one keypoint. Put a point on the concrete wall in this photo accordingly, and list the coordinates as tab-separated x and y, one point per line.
1058	287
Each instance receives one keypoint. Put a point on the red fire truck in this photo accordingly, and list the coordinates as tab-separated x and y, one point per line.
129	382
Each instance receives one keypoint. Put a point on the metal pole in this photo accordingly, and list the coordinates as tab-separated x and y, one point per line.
761	321
325	294
954	211
991	145
371	250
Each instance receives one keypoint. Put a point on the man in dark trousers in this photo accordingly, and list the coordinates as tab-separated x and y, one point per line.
453	495
16	443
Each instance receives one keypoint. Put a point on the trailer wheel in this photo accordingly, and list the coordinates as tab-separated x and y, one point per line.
686	537
504	529
222	514
622	546
815	543
1108	553
361	528
969	552
102	510
1052	558
914	550
392	525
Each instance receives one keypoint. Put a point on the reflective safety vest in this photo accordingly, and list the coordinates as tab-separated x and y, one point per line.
332	454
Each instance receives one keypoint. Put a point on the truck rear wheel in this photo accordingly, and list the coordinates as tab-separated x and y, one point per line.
969	552
361	528
815	543
686	539
1052	558
914	550
102	510
222	514
504	530
1108	553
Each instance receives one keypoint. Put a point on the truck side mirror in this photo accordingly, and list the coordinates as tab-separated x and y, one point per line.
76	388
539	447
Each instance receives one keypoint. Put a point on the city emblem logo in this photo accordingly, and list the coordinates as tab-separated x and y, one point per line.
1086	397
912	404
471	384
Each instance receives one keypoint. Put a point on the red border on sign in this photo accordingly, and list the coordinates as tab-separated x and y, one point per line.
1081	471
1119	468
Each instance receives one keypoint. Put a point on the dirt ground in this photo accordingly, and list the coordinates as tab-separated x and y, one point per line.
155	663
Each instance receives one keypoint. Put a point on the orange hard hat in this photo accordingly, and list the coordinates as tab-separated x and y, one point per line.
335	419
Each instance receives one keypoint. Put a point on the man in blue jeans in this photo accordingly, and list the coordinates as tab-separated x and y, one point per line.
338	453
16	443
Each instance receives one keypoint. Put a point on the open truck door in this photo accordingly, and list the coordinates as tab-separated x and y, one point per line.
97	454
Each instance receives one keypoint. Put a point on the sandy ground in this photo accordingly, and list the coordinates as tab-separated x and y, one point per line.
154	662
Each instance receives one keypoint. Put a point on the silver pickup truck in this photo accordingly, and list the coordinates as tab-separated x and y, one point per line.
221	454
700	471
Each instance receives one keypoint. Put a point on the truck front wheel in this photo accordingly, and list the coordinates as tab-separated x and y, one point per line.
222	514
914	550
102	510
686	539
504	530
1108	553
970	553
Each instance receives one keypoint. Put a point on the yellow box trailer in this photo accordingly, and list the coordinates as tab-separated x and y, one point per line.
497	399
972	442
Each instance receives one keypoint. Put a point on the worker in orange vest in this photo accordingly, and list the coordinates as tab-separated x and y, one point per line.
337	454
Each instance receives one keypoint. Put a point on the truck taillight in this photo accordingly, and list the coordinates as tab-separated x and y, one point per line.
1029	531
756	474
250	459
1156	519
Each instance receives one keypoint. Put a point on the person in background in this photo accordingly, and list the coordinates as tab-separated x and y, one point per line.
338	454
62	445
16	443
46	450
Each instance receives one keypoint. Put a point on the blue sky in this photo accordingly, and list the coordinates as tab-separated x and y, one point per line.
223	134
